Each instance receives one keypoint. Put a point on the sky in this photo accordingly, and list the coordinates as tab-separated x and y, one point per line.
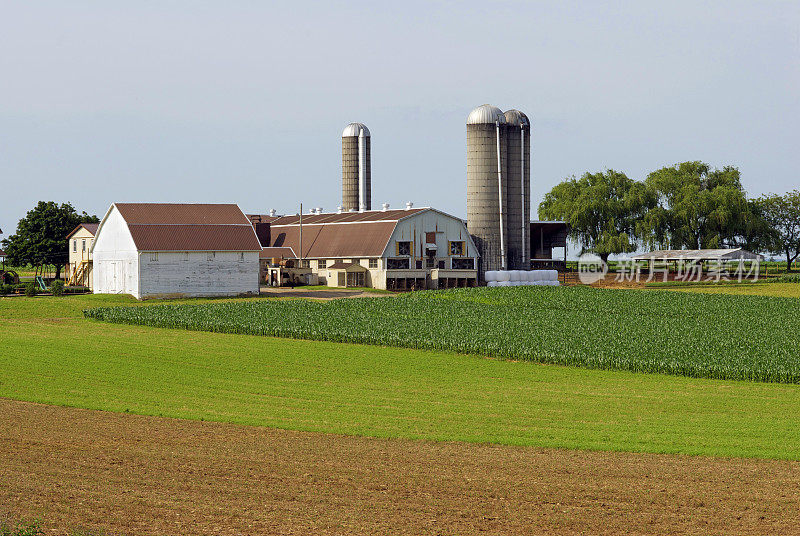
244	102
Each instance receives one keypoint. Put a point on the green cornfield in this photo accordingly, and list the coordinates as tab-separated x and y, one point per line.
711	336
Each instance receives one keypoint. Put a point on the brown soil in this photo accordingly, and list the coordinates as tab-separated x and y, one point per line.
128	474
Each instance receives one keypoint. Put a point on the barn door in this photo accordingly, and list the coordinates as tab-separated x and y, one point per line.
111	278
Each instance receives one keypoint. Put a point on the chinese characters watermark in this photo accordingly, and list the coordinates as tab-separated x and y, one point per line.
592	269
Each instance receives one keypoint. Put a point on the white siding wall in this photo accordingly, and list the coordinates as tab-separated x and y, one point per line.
194	274
116	261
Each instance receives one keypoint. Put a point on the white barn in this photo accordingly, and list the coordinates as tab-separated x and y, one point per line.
157	250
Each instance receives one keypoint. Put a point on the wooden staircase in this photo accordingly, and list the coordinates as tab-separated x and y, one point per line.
79	272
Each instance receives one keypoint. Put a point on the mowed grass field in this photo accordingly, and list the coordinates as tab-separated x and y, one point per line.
49	353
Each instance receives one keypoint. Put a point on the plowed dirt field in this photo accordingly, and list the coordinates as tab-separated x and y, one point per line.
131	475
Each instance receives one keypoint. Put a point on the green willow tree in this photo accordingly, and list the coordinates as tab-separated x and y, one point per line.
782	213
699	207
41	236
602	209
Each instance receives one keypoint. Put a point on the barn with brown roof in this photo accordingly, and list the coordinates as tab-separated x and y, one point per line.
171	250
398	249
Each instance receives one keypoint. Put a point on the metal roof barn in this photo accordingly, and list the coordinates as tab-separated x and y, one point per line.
175	250
731	254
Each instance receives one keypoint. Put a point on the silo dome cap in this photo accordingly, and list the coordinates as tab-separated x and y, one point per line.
517	118
353	129
486	114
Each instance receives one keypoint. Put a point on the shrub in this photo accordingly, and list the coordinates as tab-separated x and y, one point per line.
31	290
57	288
6	289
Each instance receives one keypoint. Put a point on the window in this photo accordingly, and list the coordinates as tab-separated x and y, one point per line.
306	263
430	237
397	264
403	248
74	246
210	256
418	264
430	262
373	263
441	265
83	245
457	249
463	264
322	263
241	256
154	256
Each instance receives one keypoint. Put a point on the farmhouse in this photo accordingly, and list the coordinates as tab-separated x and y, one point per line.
386	249
173	250
79	242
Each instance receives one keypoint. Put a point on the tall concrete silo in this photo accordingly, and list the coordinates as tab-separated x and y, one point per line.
356	168
518	202
487	186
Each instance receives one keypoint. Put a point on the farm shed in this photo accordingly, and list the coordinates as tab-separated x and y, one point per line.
346	274
698	255
173	250
544	236
79	243
398	249
717	260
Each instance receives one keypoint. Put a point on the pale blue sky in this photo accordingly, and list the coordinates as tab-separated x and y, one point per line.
245	101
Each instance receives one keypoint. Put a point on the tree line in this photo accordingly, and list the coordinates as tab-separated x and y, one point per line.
685	206
41	236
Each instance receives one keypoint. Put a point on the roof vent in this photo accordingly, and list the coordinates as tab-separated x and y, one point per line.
339	209
272	212
385	207
409	205
319	210
312	211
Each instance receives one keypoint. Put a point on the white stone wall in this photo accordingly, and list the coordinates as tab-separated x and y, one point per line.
176	274
116	261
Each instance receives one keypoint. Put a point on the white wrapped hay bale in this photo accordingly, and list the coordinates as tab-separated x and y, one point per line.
503	275
491	283
491	276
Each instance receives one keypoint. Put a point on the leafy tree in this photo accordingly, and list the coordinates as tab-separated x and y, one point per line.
602	210
698	207
782	213
41	235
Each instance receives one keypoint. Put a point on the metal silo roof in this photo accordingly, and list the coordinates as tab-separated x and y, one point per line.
353	130
517	118
484	114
